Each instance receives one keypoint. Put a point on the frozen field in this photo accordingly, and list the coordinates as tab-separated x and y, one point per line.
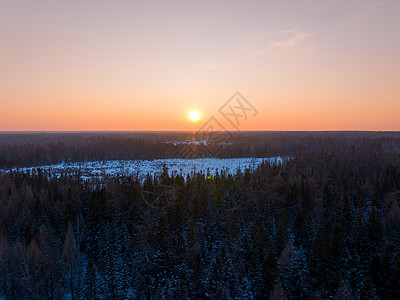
140	168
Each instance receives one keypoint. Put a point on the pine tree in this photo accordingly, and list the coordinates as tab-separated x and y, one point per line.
278	292
269	273
89	289
344	291
394	281
71	258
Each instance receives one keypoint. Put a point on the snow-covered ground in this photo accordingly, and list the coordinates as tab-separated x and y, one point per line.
197	142
188	142
140	168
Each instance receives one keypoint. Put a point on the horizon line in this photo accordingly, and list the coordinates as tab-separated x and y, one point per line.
160	131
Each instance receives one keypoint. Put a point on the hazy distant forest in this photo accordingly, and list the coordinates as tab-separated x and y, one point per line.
325	224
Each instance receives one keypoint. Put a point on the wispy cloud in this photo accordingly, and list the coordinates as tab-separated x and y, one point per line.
294	39
255	45
288	31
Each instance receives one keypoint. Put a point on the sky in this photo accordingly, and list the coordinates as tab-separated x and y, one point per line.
143	65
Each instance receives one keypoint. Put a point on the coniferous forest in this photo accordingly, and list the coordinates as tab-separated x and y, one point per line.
323	224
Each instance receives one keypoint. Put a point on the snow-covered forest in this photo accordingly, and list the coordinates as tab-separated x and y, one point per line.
324	224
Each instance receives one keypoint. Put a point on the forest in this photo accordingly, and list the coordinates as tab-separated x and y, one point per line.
322	225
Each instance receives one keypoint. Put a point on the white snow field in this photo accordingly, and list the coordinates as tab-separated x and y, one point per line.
140	168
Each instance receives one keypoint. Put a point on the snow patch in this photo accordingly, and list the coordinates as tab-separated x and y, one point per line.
140	168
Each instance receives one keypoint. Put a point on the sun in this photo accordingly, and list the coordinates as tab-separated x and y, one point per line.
194	115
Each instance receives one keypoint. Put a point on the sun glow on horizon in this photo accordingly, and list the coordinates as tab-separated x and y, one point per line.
194	115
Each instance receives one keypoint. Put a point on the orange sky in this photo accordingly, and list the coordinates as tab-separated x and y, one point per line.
121	65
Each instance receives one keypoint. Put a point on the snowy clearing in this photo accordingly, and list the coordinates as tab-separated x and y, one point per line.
140	168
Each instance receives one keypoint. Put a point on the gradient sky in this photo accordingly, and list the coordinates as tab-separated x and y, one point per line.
142	65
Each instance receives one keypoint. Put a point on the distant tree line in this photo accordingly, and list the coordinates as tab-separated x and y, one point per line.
323	225
38	149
